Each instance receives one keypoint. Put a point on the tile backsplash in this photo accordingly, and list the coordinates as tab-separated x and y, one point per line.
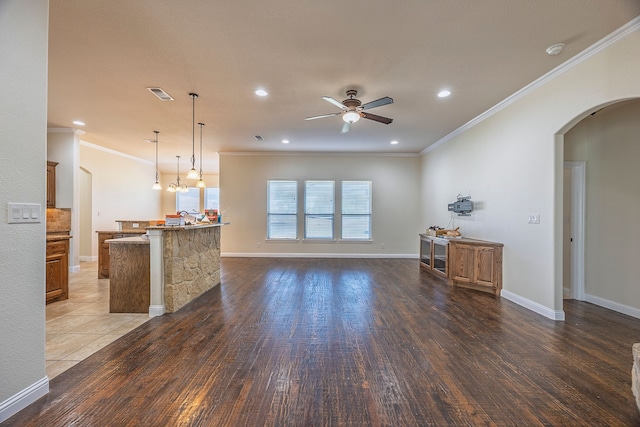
58	220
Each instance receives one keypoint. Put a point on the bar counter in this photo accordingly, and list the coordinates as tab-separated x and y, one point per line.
185	263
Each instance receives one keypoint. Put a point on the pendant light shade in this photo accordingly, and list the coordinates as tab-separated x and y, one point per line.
193	173
200	183
177	187
156	185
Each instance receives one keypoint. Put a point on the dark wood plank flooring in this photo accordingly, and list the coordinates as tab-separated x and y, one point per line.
335	342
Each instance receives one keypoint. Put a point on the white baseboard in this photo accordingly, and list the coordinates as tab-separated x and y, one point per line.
312	255
156	310
74	268
87	258
533	306
612	305
21	400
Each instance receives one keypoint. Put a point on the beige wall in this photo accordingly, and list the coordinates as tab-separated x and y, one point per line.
121	188
512	165
609	144
23	119
243	185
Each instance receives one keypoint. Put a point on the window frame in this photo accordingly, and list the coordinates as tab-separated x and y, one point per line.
271	214
344	215
319	214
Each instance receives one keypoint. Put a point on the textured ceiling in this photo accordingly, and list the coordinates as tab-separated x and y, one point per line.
104	54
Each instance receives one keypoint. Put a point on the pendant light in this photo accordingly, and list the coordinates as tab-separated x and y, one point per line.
157	185
193	173
176	186
200	183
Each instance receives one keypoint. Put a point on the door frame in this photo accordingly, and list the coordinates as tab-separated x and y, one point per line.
578	192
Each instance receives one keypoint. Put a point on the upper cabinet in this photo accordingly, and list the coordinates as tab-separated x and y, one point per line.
51	184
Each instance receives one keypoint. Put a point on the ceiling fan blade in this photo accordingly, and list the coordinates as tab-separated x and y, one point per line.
322	116
385	120
377	103
345	127
334	102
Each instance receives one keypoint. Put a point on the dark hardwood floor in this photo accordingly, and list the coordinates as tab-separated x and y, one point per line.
367	342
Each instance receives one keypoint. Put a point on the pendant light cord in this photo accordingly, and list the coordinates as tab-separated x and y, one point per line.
201	125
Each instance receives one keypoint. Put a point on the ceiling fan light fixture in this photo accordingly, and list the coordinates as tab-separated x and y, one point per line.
351	116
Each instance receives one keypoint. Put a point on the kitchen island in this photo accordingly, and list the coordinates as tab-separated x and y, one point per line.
184	263
129	289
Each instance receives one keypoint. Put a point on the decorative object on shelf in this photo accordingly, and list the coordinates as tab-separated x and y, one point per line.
156	185
200	183
435	231
193	174
177	186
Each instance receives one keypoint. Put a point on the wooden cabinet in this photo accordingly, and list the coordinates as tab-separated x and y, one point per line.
476	264
470	263
103	249
51	184
57	270
434	254
103	254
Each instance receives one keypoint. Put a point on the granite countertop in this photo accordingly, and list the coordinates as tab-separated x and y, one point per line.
139	240
135	231
187	227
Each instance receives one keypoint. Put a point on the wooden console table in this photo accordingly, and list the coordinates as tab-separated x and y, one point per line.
469	263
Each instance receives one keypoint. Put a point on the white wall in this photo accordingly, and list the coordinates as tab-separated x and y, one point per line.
63	146
121	188
23	128
609	143
512	164
243	196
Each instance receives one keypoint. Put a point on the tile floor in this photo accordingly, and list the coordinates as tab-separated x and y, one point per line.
78	327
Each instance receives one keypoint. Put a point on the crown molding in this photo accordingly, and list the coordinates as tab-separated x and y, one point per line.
116	153
628	28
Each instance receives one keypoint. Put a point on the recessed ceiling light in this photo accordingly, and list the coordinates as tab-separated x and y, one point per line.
394	142
78	123
285	141
261	92
444	93
555	49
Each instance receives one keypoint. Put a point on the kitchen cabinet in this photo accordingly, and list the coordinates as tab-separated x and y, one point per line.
434	254
57	270
103	248
476	264
51	184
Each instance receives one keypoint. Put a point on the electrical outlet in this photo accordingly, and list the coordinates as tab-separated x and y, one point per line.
258	245
383	246
534	218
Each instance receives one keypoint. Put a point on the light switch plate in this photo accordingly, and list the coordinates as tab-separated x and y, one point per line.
20	213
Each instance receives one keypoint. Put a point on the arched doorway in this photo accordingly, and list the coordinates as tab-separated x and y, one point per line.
605	142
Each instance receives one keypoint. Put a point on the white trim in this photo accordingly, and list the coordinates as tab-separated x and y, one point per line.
612	305
74	268
533	306
315	153
578	192
312	255
87	258
603	43
24	398
114	152
156	310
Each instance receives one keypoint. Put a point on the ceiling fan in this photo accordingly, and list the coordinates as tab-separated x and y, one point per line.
353	109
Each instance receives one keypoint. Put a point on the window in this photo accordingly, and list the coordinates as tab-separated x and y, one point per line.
212	198
318	209
356	210
188	201
282	209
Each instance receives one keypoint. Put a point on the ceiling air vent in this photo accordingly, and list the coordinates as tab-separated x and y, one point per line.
161	94
259	138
